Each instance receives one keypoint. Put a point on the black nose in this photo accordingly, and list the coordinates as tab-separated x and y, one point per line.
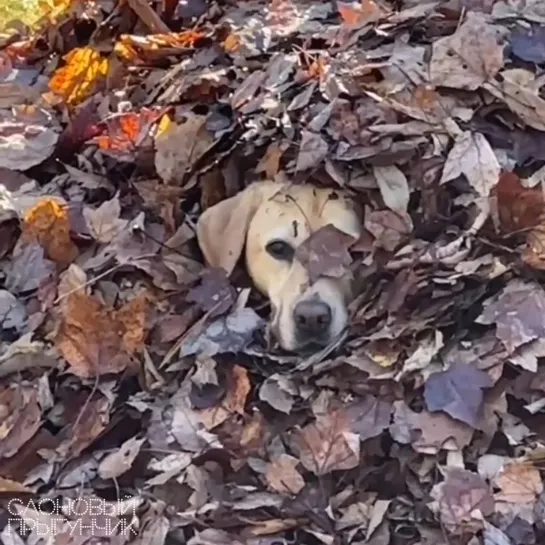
312	317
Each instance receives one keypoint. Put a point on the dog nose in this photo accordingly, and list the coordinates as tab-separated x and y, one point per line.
312	317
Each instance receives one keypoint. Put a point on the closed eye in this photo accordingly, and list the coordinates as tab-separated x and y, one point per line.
280	250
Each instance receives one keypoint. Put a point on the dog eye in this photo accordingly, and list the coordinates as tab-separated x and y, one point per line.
280	250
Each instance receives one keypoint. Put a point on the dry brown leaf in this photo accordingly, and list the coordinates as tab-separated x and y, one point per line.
520	97
152	47
48	224
120	461
463	500
519	482
179	147
429	433
104	222
313	150
20	416
282	476
393	186
238	388
88	421
24	145
96	340
473	156
12	487
328	444
470	56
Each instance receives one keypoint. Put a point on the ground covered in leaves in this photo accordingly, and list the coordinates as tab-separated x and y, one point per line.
140	401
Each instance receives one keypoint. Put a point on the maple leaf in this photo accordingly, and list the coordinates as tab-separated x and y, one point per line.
96	340
458	392
48	224
127	132
84	70
327	445
519	482
460	498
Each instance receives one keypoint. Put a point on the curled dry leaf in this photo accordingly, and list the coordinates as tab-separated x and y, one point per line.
520	97
154	46
389	228
393	186
333	441
96	340
473	156
519	207
215	294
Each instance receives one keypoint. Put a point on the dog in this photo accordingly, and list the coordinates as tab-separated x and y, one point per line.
270	219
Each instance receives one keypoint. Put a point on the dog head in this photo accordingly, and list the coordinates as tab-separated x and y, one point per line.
270	220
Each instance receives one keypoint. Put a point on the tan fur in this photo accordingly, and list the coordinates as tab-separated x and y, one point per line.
268	210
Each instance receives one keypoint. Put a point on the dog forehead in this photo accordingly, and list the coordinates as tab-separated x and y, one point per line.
310	206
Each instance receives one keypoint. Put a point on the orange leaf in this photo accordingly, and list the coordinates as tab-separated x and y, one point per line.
350	14
125	131
356	14
96	340
78	79
48	224
317	69
232	43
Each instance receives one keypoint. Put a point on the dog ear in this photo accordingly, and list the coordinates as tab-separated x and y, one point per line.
222	228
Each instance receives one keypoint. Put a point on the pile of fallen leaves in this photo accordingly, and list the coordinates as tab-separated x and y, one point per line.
139	400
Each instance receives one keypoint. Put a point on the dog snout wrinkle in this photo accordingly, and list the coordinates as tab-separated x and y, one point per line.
312	318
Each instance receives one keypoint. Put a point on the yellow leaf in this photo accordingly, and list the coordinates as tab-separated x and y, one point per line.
78	79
